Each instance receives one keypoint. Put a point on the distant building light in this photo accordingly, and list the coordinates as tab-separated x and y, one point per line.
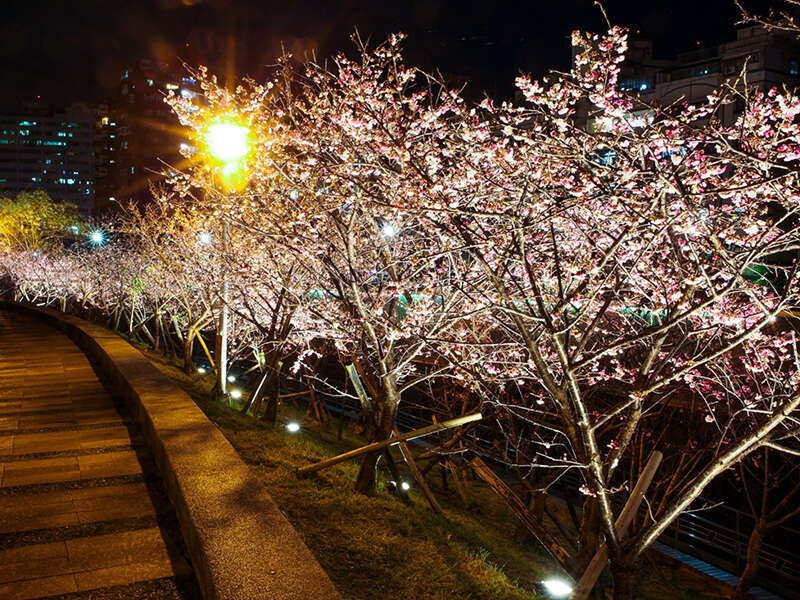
112	199
150	82
104	121
189	80
171	86
187	94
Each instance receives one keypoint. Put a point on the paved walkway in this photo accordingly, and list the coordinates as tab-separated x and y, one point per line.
81	507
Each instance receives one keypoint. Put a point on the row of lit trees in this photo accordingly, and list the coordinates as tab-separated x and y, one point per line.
609	298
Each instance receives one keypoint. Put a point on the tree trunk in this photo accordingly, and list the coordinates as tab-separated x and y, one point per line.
623	573
188	345
271	410
589	535
365	482
751	565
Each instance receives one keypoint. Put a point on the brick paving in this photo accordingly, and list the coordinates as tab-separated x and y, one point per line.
77	510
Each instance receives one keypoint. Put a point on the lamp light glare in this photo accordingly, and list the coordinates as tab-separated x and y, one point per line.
405	486
293	427
231	378
557	588
205	237
227	141
388	230
97	237
201	370
236	394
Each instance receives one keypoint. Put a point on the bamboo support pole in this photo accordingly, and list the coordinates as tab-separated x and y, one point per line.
411	435
409	458
521	510
587	581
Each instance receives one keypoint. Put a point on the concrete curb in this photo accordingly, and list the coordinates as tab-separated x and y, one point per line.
240	544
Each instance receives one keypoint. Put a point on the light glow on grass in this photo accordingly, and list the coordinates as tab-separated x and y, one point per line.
293	427
236	394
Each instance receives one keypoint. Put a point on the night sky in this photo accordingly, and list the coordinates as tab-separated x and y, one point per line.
67	51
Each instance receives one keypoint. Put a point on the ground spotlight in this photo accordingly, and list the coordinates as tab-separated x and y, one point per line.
293	427
236	394
557	588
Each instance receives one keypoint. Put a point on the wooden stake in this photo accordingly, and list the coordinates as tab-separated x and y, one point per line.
584	586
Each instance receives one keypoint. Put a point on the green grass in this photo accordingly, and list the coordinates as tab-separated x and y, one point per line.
377	547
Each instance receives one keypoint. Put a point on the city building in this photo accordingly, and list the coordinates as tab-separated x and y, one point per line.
111	146
52	153
767	58
149	136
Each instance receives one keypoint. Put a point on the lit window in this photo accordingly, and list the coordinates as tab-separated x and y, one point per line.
794	67
172	86
150	82
104	120
133	170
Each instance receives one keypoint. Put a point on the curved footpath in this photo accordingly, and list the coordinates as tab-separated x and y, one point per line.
132	493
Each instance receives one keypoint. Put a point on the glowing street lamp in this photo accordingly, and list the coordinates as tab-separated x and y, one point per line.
204	237
228	143
293	427
97	237
388	230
